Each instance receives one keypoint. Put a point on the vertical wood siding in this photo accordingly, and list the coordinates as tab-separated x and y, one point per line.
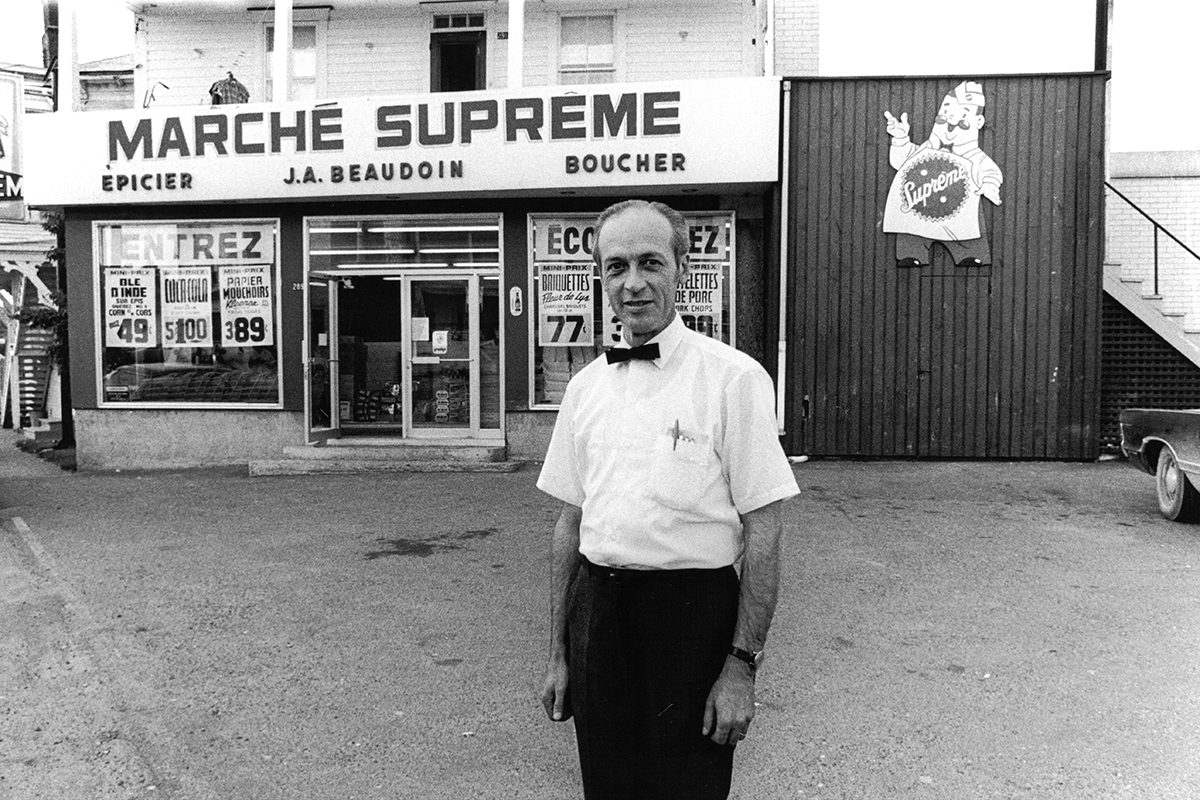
946	361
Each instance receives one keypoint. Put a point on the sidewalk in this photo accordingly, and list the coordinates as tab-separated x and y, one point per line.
945	630
15	463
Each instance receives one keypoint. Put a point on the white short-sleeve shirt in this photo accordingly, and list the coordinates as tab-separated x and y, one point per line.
664	456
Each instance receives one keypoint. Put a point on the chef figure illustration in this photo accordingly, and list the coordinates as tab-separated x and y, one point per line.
935	194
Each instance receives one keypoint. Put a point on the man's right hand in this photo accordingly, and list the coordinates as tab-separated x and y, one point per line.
554	693
897	128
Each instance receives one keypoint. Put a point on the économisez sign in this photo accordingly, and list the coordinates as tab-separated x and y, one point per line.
551	138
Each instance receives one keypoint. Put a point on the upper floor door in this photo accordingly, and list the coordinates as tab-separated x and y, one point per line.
457	53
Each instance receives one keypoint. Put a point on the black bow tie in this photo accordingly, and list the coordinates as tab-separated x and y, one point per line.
947	146
644	352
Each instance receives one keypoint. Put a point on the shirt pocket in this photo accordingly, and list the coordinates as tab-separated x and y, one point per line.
680	470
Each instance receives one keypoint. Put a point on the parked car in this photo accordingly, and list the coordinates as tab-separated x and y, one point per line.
1166	444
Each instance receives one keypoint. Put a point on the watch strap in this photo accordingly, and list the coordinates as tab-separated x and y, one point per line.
744	655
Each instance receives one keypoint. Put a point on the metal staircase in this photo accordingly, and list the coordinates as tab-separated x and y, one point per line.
1150	355
1142	289
25	367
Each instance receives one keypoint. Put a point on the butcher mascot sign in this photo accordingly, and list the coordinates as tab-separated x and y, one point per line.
935	196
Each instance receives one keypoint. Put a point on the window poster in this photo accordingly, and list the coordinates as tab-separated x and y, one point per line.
129	307
698	300
245	296
186	294
565	305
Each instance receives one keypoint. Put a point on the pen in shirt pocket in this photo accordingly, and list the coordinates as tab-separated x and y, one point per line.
679	435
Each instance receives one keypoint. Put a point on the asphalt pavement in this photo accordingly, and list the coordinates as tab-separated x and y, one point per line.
945	630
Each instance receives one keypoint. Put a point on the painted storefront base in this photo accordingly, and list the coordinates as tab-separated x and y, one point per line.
109	439
528	434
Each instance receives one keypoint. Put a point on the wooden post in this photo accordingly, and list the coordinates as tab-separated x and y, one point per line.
281	59
516	43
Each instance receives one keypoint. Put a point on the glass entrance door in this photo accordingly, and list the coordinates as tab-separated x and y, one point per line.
441	375
321	361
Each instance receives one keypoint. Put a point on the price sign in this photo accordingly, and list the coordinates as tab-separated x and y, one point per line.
565	307
186	294
129	308
698	300
246	317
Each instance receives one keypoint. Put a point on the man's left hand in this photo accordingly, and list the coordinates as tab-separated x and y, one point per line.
730	704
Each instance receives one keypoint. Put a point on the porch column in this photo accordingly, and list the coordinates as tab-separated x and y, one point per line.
281	59
516	43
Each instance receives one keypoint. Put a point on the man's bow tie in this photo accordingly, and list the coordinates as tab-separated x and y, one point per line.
947	146
644	352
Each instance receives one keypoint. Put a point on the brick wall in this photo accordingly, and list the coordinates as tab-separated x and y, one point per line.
797	26
1167	187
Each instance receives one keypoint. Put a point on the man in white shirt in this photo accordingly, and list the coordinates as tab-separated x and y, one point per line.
667	460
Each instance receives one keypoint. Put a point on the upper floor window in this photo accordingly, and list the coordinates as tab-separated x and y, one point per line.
447	22
585	53
304	62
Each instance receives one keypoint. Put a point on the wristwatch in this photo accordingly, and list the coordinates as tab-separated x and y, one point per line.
753	659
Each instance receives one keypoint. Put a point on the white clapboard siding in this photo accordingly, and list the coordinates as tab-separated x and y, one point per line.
187	54
688	40
382	51
541	47
377	52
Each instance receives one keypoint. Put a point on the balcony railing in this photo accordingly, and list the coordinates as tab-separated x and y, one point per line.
1157	227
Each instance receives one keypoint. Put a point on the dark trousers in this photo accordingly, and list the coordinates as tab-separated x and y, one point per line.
645	649
909	245
920	248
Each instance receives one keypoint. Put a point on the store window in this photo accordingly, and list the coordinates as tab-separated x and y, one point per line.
571	319
585	52
188	312
390	242
305	66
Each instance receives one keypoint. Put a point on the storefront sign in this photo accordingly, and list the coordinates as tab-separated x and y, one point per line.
572	236
565	306
129	303
12	104
186	294
246	306
618	135
188	244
